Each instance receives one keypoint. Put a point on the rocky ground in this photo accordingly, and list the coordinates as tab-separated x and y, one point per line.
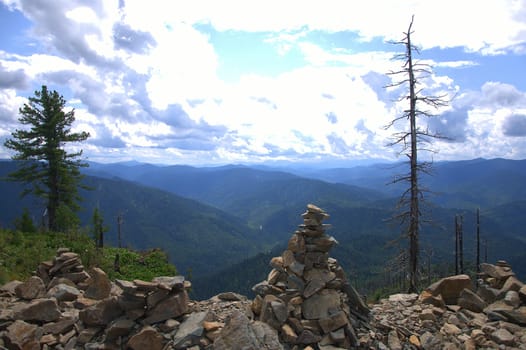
304	304
94	313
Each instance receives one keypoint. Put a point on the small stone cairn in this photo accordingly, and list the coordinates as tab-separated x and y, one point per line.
62	306
306	296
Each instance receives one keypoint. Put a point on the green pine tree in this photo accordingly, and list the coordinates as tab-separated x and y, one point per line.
47	169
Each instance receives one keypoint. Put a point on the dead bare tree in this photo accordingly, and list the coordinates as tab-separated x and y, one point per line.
411	140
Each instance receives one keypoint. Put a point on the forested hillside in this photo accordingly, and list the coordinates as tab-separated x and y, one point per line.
223	232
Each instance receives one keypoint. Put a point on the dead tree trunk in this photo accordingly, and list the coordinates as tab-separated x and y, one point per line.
410	139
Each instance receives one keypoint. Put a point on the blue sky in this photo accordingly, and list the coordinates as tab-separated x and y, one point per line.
208	82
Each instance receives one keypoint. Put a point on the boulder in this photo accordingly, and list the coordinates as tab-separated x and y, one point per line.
33	288
146	338
239	333
99	285
9	288
39	310
471	301
63	292
22	335
101	313
172	307
191	330
450	287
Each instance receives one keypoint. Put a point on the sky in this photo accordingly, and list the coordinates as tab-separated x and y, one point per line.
208	82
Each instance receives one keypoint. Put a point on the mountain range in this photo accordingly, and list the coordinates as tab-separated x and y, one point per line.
218	224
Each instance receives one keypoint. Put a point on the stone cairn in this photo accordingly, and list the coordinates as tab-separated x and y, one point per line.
306	296
63	306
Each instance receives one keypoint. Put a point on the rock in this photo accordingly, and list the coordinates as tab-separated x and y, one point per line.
393	341
450	287
39	310
487	293
514	316
99	285
33	288
171	283
118	328
450	329
426	297
319	305
333	322
471	301
172	307
497	272
146	338
512	298
273	311
427	314
502	336
63	325
101	313
191	330
511	284
63	292
9	288
231	296
22	335
413	340
239	333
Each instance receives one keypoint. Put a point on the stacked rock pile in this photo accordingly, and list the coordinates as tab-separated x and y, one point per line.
66	264
63	306
453	313
306	296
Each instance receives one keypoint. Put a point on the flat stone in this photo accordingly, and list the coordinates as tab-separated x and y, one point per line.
514	316
61	326
497	272
40	310
145	286
75	277
320	305
146	338
333	322
502	336
33	288
126	286
63	292
171	307
313	287
173	283
118	328
101	313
